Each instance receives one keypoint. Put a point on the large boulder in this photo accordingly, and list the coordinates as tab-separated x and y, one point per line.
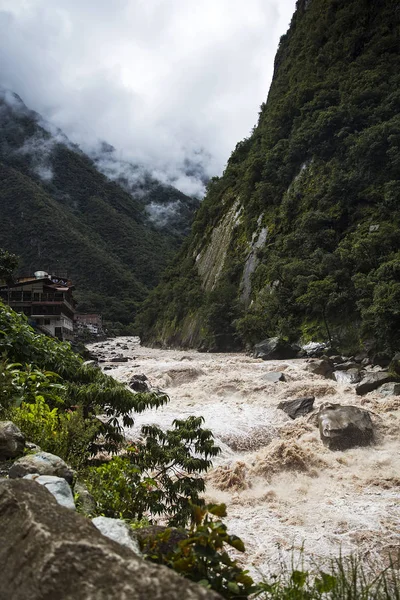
275	349
390	389
139	383
119	531
350	376
343	427
12	441
322	367
48	552
58	487
297	408
273	377
372	381
42	463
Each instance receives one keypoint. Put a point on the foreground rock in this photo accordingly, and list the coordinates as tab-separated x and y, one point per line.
275	349
372	381
41	463
50	552
12	441
297	408
343	427
58	487
119	531
320	367
139	383
350	376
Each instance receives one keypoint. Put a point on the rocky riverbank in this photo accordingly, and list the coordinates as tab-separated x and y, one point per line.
283	486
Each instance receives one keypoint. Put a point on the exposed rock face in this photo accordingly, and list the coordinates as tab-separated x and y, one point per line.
297	408
50	552
372	382
343	427
12	441
119	531
275	349
42	463
58	487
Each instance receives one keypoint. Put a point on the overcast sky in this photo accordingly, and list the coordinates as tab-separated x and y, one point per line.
161	80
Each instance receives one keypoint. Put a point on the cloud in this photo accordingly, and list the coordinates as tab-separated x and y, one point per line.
167	83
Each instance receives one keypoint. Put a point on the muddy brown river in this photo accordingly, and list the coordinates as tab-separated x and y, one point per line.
284	490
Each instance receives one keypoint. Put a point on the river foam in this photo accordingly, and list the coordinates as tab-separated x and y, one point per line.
283	488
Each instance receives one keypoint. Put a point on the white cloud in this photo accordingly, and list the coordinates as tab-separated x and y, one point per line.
163	81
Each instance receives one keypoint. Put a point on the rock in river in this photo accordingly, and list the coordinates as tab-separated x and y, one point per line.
343	427
275	349
372	382
297	408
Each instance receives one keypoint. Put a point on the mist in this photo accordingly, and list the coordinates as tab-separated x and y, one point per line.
167	84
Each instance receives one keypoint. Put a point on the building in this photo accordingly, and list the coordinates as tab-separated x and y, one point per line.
89	322
46	300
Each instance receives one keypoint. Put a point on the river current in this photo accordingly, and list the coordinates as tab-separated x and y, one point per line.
284	490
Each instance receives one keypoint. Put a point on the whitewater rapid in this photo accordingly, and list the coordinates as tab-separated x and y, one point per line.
284	490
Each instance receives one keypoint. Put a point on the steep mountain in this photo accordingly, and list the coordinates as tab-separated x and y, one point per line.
300	236
60	213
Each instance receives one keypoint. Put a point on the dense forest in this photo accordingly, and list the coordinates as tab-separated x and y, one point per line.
59	213
300	236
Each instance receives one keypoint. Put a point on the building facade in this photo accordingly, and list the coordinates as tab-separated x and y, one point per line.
90	322
47	302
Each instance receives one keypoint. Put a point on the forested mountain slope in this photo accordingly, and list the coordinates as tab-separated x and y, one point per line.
300	236
60	213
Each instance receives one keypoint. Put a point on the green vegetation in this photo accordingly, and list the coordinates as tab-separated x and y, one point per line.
320	172
59	213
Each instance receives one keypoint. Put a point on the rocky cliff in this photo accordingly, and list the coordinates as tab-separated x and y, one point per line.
300	236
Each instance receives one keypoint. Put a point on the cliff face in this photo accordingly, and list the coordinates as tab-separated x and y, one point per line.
300	236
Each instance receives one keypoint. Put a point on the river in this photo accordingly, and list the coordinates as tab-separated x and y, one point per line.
284	490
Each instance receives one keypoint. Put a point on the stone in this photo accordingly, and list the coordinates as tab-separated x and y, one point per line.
320	367
342	427
42	463
349	377
298	407
381	359
389	389
315	349
48	552
337	359
139	383
84	499
358	358
12	440
273	377
344	366
57	486
275	349
160	539
372	381
394	366
119	531
119	359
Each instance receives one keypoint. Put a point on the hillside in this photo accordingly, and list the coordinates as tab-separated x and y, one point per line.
60	213
300	236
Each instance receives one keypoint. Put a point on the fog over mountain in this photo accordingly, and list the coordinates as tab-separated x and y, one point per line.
171	85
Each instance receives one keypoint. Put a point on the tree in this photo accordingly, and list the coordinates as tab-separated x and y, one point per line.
8	264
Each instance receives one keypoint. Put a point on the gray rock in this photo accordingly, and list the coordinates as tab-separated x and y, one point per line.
275	349
297	408
139	383
119	531
273	377
372	381
48	552
350	376
390	389
343	427
85	501
42	463
361	356
320	367
12	440
119	359
344	366
57	486
381	359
